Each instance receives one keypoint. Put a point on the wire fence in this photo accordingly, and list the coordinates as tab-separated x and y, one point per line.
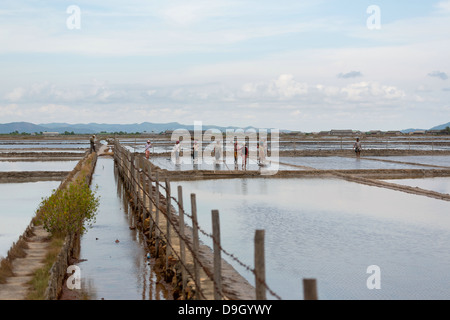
144	181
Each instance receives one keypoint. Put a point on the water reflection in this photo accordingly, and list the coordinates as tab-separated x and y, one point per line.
343	163
18	204
117	270
430	160
438	184
226	165
331	230
37	165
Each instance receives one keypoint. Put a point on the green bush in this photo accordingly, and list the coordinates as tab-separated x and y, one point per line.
69	210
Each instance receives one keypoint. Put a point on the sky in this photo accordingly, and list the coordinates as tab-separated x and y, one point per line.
291	65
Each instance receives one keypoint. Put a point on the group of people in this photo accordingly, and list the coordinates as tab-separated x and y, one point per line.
241	150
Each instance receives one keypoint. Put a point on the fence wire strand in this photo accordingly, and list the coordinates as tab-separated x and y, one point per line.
143	175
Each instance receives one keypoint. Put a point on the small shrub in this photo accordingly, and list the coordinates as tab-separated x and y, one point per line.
69	210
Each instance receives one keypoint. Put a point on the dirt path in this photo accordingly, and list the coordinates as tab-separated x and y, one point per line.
16	287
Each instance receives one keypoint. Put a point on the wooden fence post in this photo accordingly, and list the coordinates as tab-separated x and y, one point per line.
310	289
138	185
196	246
128	166
168	220
260	268
157	214
181	230
150	200
135	182
217	255
124	168
144	189
120	155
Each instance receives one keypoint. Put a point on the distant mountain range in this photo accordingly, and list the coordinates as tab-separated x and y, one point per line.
440	127
91	128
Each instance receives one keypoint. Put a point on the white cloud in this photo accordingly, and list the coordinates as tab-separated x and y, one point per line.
444	6
364	91
55	109
16	94
186	13
284	87
247	62
10	110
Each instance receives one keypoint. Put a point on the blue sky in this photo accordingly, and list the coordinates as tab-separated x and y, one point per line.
284	64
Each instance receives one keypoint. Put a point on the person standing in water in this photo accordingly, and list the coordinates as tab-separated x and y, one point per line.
239	153
245	154
235	153
218	152
195	151
92	141
148	146
262	153
357	147
176	151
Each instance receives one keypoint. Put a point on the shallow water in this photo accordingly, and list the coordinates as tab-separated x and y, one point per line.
39	146
332	143
116	270
430	160
228	165
343	163
438	184
34	151
18	204
37	165
331	230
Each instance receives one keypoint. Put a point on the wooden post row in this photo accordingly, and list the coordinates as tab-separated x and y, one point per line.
181	231
150	199
168	220
195	246
157	213
144	189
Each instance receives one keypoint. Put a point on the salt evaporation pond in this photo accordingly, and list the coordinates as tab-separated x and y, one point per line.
68	165
331	230
45	145
443	161
18	204
119	271
380	145
168	164
344	163
77	152
438	184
